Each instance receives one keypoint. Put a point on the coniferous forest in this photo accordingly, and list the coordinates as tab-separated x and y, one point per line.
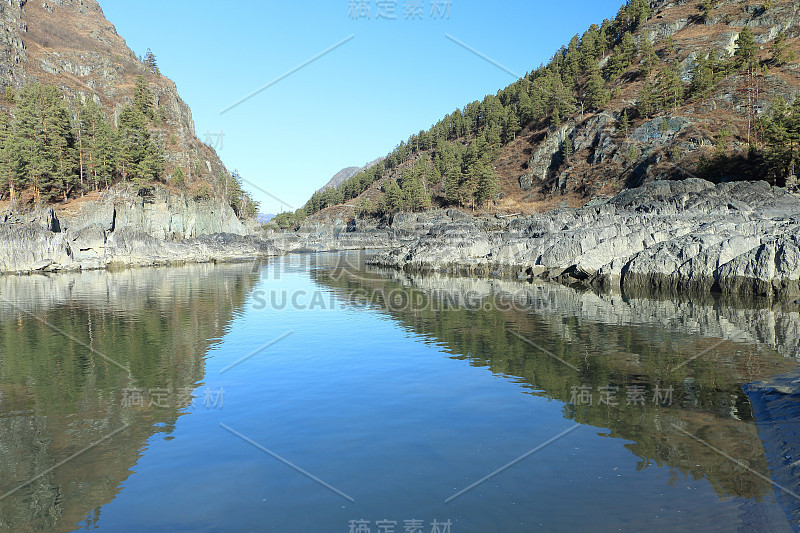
57	148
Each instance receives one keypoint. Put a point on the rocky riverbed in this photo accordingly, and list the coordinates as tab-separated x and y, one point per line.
667	236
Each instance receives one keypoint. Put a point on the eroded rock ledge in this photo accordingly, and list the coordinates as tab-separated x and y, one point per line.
667	236
124	228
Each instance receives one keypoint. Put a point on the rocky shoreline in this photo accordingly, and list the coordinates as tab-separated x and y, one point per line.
126	229
667	237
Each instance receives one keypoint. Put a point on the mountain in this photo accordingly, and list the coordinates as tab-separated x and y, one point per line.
69	44
340	177
346	173
665	90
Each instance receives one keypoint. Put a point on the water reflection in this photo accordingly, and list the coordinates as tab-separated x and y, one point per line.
666	375
73	420
387	420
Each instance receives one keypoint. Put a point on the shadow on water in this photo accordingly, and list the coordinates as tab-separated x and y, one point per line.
667	375
73	421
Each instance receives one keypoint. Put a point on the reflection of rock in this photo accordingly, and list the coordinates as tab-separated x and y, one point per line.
57	397
612	341
726	319
776	407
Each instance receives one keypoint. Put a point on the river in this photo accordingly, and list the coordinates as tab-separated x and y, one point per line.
308	393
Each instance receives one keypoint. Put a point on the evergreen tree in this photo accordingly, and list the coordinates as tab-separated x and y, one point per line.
487	186
624	56
702	76
143	98
646	103
141	160
98	144
7	159
151	63
44	143
670	87
706	6
746	48
596	94
782	138
624	123
779	50
178	177
414	195
649	57
394	197
511	125
567	148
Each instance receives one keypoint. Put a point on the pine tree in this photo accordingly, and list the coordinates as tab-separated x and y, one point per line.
143	98
414	195
178	177
44	142
646	103
705	10
394	197
511	125
649	57
486	186
141	159
596	94
623	57
746	48
151	63
778	49
702	76
670	88
567	148
7	158
97	144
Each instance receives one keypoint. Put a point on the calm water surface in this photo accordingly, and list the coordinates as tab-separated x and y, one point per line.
298	395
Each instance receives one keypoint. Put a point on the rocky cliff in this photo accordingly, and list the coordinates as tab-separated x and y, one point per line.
125	227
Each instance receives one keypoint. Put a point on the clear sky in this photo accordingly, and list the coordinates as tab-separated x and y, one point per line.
386	79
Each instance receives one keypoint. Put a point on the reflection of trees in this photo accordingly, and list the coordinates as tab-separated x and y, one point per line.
57	396
645	351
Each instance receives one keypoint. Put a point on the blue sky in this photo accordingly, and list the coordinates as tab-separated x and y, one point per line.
393	78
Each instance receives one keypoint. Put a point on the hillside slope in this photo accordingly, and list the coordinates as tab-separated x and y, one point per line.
666	90
71	45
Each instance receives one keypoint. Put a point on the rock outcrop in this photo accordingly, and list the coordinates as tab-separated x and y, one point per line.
667	236
124	228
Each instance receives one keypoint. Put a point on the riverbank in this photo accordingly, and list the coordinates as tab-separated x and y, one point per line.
126	228
667	237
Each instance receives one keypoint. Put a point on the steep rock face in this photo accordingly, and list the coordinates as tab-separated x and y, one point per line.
160	213
69	43
667	236
124	228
